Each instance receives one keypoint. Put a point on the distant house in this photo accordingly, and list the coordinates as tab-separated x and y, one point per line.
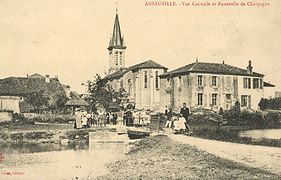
269	90
75	101
212	86
10	103
277	94
13	90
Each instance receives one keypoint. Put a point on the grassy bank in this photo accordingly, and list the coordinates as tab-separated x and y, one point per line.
160	158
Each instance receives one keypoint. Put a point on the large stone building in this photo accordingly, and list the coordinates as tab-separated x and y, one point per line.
140	81
212	86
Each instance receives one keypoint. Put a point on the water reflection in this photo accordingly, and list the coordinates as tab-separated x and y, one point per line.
57	161
26	148
262	134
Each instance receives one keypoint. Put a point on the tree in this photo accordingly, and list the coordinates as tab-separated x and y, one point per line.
263	104
57	100
38	100
272	103
101	92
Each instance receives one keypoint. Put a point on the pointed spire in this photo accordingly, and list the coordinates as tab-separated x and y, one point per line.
116	38
116	7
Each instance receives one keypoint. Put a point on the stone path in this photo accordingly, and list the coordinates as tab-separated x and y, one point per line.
267	158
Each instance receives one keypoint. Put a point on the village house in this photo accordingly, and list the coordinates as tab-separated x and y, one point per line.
140	81
13	91
212	86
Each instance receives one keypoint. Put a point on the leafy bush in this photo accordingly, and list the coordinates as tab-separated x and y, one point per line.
254	119
54	118
38	135
17	136
272	103
272	119
4	136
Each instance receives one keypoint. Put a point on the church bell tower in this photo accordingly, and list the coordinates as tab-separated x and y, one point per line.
116	48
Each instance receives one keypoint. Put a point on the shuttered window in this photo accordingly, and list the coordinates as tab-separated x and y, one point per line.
145	79
214	80
200	80
214	99
200	99
156	80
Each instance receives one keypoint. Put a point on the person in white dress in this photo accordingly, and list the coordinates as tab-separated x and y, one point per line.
179	125
78	119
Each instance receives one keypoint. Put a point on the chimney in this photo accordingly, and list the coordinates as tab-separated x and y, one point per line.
47	78
250	67
223	62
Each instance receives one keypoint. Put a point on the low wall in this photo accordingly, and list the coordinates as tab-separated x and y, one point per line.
6	116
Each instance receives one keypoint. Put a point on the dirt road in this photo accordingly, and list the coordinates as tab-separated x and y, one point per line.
267	158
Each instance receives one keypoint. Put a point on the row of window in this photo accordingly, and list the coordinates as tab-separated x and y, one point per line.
245	99
200	80
214	99
156	79
257	83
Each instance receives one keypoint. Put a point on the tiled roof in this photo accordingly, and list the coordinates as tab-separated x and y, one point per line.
212	68
18	86
116	75
36	75
144	65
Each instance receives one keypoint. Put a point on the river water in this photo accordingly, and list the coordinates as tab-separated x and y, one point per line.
54	161
262	134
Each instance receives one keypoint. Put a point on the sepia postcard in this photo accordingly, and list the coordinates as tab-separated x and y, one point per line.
140	89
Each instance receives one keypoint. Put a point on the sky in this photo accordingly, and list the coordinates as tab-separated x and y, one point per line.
69	38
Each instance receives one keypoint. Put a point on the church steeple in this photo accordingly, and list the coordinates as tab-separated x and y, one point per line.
116	39
116	47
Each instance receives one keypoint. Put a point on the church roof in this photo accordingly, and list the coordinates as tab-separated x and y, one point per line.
212	68
147	64
116	40
144	65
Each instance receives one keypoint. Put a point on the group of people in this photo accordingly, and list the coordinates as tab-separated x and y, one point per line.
136	117
83	119
179	123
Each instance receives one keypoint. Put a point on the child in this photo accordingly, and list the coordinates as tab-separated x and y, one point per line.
182	124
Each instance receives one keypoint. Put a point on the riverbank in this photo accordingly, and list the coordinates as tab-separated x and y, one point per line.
159	157
232	134
43	133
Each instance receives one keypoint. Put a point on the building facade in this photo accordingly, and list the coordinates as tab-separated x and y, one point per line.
140	81
211	86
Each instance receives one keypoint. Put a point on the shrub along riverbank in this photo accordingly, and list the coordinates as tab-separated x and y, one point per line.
159	157
231	134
